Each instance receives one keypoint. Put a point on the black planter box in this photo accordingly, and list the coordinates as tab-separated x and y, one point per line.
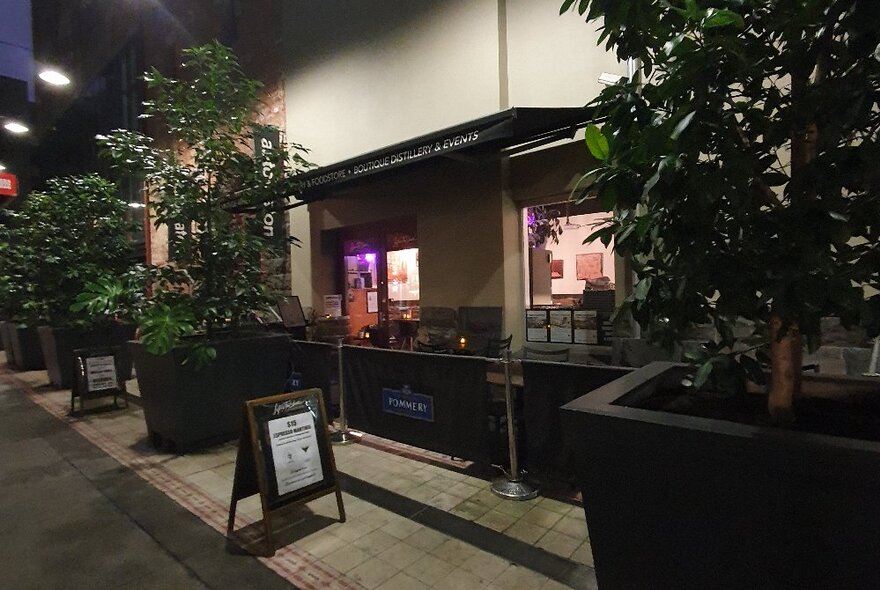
187	408
6	338
681	502
58	345
24	343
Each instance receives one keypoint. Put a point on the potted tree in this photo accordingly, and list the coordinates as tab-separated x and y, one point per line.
78	230
742	184
196	359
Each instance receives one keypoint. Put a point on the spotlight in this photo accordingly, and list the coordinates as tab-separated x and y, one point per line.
16	127
54	77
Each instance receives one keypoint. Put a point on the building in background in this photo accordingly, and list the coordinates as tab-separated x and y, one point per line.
437	125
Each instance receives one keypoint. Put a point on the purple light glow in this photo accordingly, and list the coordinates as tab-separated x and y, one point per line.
370	257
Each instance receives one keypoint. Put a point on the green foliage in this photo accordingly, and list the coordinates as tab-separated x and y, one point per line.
719	225
215	278
543	225
73	233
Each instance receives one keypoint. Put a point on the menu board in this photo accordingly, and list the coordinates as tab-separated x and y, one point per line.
560	325
284	455
333	305
536	325
586	329
101	373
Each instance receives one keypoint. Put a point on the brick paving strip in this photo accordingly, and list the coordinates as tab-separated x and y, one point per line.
294	565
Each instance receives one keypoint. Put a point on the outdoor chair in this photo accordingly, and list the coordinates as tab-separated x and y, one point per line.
559	356
495	347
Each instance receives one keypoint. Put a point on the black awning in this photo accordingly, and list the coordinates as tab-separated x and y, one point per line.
508	131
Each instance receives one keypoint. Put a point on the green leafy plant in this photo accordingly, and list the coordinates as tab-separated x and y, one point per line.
214	278
543	224
73	233
743	174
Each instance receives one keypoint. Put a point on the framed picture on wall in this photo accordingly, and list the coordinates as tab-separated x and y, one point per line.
588	266
536	325
560	326
556	267
586	327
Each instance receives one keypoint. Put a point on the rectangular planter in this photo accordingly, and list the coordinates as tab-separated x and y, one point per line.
6	337
58	345
25	345
187	408
682	502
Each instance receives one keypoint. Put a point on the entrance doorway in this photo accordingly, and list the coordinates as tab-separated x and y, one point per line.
380	271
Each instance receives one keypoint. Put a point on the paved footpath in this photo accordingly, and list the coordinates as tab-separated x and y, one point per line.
73	517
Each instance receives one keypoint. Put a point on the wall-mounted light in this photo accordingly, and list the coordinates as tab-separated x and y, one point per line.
2	167
136	205
54	77
16	127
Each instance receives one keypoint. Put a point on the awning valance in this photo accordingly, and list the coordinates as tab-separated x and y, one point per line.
506	132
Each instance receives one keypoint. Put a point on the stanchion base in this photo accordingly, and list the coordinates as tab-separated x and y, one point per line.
341	438
514	490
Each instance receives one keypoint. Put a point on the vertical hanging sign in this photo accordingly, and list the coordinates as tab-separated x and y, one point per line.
268	140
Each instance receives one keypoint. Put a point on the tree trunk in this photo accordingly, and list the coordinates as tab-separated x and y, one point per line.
785	370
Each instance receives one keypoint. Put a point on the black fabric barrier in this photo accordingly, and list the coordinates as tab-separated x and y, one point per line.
317	365
546	387
455	385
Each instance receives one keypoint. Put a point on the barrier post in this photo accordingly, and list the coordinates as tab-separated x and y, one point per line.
512	485
342	436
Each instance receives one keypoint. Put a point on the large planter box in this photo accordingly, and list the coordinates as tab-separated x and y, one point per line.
58	345
676	501
186	408
6	338
24	342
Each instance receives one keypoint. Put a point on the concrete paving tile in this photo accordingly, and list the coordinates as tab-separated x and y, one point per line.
525	531
321	544
401	555
470	510
444	501
559	544
402	581
426	539
515	508
345	559
555	506
583	554
495	520
429	569
460	580
352	529
485	566
541	517
376	542
573	527
401	527
518	578
455	552
371	573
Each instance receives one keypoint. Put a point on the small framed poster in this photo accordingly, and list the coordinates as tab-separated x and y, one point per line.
372	301
560	326
333	305
586	327
536	325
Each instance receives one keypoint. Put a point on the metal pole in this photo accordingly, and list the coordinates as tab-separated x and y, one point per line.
342	436
512	485
875	356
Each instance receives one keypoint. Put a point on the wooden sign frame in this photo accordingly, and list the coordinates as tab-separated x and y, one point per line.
80	387
255	469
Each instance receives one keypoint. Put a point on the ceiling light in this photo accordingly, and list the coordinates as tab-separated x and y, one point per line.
54	77
16	127
136	205
2	167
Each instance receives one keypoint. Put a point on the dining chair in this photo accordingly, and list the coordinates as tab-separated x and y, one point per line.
559	356
495	347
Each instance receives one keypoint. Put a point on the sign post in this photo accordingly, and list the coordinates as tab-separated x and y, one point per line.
284	455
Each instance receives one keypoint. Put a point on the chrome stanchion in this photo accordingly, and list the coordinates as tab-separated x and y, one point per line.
875	356
342	436
512	485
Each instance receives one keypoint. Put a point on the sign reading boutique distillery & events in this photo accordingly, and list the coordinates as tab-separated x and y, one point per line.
392	160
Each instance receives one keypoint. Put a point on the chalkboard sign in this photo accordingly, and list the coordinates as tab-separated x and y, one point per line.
284	455
98	374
